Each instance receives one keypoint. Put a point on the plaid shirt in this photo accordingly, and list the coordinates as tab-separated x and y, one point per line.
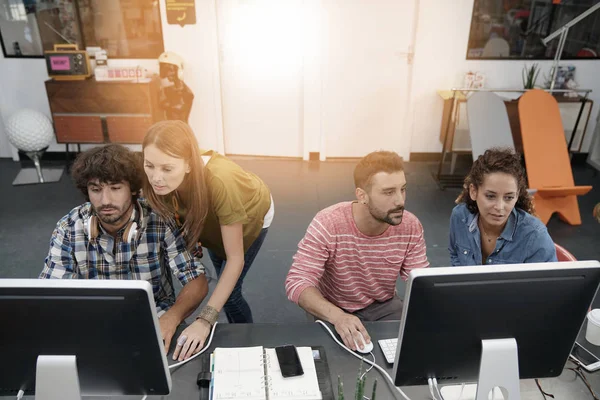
73	256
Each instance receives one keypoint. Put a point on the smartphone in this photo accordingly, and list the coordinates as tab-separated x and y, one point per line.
587	360
289	362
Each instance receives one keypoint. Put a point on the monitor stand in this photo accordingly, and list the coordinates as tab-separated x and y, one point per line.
499	367
56	378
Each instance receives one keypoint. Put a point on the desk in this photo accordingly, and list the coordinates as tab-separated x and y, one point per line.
454	132
89	111
340	362
301	334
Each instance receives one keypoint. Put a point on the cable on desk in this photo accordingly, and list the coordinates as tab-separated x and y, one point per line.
431	391
544	394
383	372
579	373
20	394
437	389
368	370
462	389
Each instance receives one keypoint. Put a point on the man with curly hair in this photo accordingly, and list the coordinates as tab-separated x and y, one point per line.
115	235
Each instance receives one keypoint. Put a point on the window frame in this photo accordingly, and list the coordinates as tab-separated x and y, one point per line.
162	38
471	58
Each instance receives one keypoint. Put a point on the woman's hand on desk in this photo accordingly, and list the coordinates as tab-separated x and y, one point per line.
196	335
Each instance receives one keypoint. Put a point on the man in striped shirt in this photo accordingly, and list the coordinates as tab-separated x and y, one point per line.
347	264
117	236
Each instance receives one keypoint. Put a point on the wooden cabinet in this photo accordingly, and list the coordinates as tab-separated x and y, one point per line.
103	112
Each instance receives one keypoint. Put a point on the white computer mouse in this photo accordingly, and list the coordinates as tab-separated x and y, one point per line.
367	347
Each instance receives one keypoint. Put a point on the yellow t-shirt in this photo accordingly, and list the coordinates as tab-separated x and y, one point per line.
236	195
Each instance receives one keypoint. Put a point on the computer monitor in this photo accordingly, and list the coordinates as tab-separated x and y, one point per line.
492	324
67	338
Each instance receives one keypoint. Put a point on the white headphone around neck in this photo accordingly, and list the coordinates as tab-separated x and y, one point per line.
92	226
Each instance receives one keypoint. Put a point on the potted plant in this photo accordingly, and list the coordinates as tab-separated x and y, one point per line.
530	75
360	386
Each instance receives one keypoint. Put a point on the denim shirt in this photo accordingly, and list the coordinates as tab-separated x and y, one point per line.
524	239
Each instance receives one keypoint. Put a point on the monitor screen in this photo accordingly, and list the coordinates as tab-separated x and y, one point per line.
448	312
60	63
111	327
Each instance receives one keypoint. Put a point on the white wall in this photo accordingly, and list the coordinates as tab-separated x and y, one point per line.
197	44
440	63
314	50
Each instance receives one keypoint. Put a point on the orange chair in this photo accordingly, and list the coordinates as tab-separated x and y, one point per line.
562	254
547	158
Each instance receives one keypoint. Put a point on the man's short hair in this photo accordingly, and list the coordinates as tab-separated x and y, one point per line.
373	163
108	164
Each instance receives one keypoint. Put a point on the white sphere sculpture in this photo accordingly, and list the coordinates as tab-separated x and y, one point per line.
29	130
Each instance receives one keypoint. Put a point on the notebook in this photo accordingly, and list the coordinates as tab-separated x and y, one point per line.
252	373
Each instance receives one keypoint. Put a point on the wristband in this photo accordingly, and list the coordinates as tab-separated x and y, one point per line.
209	314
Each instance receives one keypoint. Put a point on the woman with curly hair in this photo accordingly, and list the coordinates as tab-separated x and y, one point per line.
494	220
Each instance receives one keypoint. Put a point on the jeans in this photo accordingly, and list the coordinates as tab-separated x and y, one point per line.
236	307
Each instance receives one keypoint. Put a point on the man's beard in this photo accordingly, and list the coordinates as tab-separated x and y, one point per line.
111	219
386	218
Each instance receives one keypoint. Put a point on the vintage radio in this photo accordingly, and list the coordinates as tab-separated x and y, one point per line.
67	62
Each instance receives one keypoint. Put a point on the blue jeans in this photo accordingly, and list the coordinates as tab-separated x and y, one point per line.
236	307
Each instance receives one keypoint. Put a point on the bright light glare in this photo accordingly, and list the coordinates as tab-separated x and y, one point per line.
265	38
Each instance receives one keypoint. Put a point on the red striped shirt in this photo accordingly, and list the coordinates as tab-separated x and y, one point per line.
349	268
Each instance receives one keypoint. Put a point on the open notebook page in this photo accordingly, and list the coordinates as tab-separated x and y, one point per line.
239	373
303	387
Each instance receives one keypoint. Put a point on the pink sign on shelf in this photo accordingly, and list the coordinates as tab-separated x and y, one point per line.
60	63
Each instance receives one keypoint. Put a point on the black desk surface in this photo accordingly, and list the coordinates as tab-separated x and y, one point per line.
340	362
302	334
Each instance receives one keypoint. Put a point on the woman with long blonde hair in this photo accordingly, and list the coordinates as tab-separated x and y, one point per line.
219	206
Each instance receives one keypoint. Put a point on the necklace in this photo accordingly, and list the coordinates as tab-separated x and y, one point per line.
489	239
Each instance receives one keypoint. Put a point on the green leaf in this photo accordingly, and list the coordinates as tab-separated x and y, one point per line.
374	389
358	379
340	388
